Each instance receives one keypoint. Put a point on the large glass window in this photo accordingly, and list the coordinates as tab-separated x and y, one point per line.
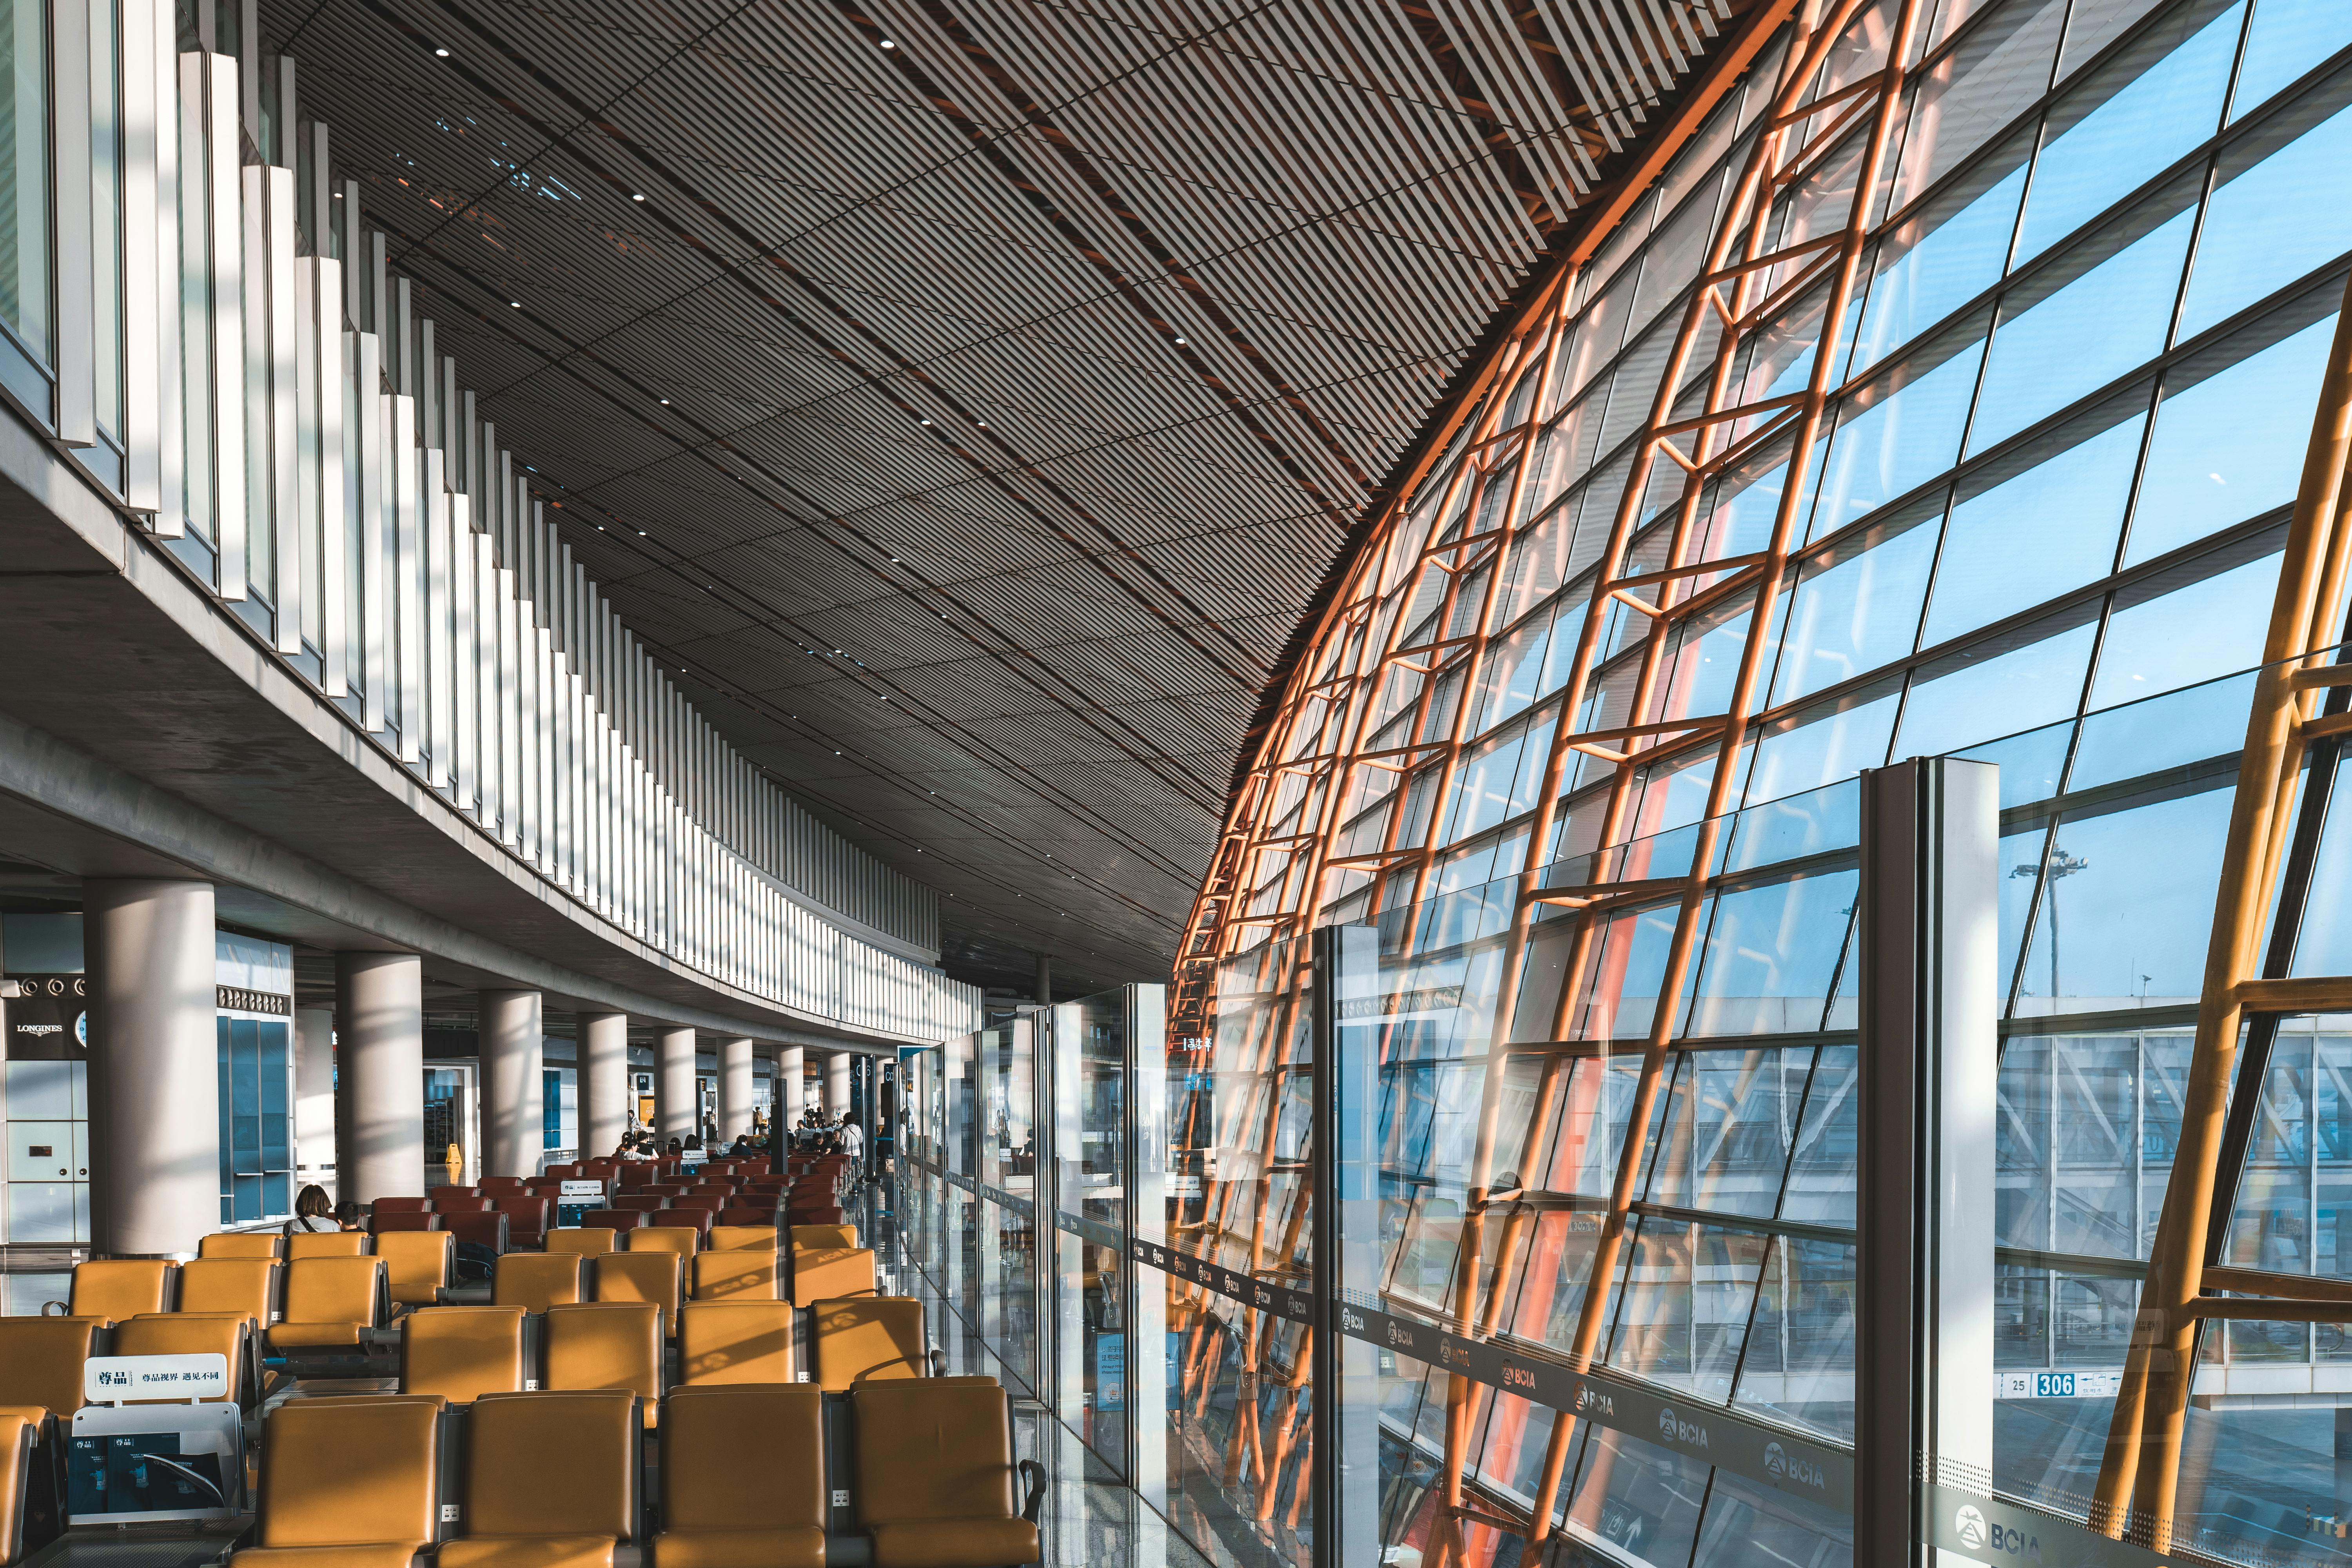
25	301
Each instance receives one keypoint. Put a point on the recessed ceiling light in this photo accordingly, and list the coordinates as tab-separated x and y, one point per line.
442	53
665	402
641	533
1180	343
888	44
636	195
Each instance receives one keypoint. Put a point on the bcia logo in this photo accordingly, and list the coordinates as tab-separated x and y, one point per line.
1675	1429
1977	1531
1400	1335
1589	1399
1782	1467
1353	1321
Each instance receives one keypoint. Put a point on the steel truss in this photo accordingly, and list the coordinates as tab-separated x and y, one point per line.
2298	716
1386	707
1383	708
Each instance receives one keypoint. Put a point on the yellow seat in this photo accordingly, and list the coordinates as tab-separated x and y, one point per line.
536	1280
867	1339
418	1264
735	1275
225	1335
681	1240
743	1482
945	1444
326	1243
119	1288
743	1238
327	1301
821	1274
551	1480
347	1483
242	1244
461	1352
19	1435
587	1240
823	1236
735	1341
598	1344
40	1363
246	1284
652	1277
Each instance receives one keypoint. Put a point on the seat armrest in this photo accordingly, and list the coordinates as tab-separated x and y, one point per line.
938	1359
1034	1474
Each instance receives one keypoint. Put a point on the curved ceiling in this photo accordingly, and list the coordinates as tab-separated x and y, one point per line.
968	396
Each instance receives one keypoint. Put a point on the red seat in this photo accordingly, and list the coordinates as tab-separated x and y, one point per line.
493	1185
453	1191
699	1218
461	1205
611	1219
644	1203
411	1221
743	1215
818	1217
700	1201
636	1174
403	1206
526	1218
712	1190
563	1172
482	1229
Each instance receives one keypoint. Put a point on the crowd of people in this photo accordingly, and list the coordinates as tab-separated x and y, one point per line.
815	1131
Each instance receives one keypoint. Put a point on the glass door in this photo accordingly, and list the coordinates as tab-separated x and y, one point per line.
1090	1053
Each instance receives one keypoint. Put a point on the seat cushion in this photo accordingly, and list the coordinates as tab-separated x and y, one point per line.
387	1554
314	1336
739	1549
528	1551
954	1543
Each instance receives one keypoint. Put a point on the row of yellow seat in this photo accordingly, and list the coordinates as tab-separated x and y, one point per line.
552	1479
461	1353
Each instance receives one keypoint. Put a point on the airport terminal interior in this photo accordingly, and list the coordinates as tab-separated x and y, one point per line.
1175	783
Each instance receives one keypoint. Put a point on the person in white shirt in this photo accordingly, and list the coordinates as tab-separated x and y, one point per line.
853	1143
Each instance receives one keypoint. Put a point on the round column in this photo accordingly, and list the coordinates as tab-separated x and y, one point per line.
380	1119
514	1129
674	1111
836	1083
603	1081
734	1089
314	1098
154	1066
792	1088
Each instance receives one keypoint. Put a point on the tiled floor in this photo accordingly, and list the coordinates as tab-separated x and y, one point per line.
1092	1520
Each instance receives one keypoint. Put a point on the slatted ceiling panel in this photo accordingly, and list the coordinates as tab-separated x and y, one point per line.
1307	192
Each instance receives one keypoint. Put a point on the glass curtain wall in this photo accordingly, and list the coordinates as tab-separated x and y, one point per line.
1952	384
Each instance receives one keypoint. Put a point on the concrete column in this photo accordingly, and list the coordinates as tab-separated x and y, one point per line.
604	1051
314	1098
154	1066
380	1119
836	1083
676	1115
791	1088
734	1089
514	1132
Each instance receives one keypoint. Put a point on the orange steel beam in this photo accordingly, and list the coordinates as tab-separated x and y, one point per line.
2139	1476
1750	204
